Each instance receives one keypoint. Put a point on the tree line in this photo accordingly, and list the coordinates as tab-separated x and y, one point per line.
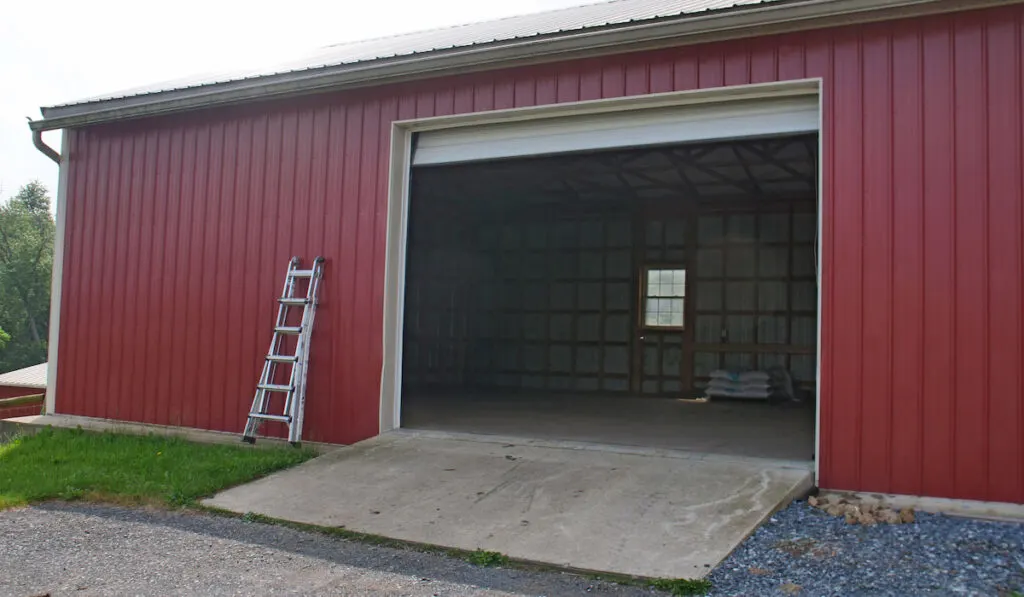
27	231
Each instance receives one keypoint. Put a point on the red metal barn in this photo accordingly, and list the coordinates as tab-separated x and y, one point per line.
179	209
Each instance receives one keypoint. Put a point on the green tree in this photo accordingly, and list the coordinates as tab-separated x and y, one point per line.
27	231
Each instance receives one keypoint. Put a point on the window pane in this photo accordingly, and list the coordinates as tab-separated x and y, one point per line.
664	312
677	313
651	312
653	282
669	283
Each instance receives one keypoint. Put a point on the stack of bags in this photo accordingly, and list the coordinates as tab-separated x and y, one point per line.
755	385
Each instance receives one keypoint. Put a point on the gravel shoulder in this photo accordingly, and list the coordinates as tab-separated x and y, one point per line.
82	549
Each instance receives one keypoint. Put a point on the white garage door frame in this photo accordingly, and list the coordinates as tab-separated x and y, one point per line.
739	119
570	121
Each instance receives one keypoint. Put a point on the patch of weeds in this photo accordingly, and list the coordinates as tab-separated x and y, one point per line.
71	493
683	586
176	498
251	517
487	558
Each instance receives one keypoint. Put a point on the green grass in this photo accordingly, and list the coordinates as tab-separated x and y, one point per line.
72	464
683	586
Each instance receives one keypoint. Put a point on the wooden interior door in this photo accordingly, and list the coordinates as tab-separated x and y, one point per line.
663	333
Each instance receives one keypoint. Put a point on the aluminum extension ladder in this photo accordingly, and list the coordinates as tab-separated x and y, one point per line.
295	389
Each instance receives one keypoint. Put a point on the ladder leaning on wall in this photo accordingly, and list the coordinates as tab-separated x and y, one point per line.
294	390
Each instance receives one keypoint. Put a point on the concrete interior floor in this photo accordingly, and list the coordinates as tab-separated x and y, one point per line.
735	428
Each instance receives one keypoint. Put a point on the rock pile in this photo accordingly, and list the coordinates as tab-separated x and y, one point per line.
862	513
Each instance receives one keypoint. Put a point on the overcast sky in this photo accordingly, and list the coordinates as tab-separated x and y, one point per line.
62	50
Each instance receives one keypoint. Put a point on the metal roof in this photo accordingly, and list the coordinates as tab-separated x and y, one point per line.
29	377
562	21
618	25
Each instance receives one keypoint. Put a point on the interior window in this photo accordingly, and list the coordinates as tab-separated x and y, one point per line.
664	294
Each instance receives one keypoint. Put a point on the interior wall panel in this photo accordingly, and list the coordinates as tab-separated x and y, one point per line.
921	389
751	291
512	301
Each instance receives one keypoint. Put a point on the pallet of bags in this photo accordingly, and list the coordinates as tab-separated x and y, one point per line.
753	385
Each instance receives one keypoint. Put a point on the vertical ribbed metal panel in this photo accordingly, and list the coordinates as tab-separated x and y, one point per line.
179	228
17	392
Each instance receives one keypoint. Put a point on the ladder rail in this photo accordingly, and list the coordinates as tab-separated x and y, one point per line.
282	316
297	365
260	399
301	371
268	373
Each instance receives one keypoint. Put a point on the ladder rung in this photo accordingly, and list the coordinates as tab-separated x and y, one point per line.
292	301
273	387
282	418
301	273
281	358
287	329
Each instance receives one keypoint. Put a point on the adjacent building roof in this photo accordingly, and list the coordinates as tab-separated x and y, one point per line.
29	377
574	19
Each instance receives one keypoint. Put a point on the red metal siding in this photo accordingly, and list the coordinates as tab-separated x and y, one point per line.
33	407
17	392
179	228
10	412
21	411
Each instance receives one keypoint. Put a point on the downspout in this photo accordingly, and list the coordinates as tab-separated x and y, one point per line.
37	140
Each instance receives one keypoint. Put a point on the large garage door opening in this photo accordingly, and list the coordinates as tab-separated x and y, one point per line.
662	296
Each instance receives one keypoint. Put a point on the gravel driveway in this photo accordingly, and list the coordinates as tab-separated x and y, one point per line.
79	549
803	551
